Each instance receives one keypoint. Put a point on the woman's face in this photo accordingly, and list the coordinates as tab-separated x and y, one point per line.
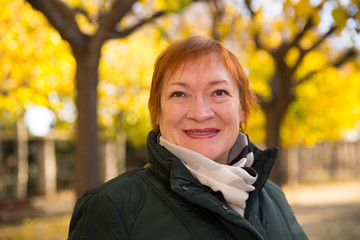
201	109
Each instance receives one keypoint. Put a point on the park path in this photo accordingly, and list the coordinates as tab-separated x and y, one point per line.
328	211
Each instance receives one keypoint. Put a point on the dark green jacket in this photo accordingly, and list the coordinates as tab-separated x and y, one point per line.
165	201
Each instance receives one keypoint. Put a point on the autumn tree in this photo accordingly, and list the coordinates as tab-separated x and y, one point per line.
36	69
284	45
290	34
105	20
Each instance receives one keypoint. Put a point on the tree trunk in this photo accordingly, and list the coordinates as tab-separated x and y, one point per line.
87	162
273	123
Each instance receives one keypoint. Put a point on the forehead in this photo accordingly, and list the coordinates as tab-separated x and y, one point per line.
209	67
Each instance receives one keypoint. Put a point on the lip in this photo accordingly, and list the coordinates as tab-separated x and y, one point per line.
201	133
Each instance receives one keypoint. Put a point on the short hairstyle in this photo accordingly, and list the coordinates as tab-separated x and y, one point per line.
179	53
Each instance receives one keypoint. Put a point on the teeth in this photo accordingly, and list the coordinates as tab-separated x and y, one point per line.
201	133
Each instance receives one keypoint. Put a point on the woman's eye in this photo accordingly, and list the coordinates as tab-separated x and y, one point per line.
221	93
177	94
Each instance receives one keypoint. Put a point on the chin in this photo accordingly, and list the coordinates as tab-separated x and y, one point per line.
207	153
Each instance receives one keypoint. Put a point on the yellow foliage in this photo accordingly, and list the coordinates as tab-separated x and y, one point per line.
326	106
125	77
36	67
303	9
256	126
340	17
23	95
292	56
85	25
308	40
261	67
314	61
274	39
35	62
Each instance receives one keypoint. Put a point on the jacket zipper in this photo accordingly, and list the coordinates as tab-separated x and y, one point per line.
203	213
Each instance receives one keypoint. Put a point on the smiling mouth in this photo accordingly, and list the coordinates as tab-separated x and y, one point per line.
201	133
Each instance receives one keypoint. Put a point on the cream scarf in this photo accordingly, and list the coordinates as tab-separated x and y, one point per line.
234	181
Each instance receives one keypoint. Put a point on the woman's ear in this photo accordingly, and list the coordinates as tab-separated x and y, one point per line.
243	116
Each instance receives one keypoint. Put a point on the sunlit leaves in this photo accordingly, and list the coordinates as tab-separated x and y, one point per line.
85	25
170	6
292	56
322	94
315	61
304	9
340	17
34	62
36	66
125	78
326	106
261	67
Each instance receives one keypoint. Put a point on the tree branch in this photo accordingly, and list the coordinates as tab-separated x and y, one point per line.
256	38
350	53
62	18
340	61
126	32
303	79
283	49
248	5
304	52
118	10
217	10
83	12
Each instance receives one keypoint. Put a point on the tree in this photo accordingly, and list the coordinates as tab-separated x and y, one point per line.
285	45
34	62
125	79
286	77
106	20
29	74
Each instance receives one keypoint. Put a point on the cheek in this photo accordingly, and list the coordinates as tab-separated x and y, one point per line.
233	113
170	114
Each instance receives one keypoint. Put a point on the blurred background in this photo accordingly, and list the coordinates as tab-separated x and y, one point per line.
74	82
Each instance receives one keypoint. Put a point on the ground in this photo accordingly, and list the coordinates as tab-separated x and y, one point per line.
328	211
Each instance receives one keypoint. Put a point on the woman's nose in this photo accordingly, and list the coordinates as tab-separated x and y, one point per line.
199	110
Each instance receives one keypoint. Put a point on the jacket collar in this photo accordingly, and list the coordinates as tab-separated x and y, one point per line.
171	168
263	163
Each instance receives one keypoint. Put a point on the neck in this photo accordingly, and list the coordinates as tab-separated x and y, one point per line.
222	160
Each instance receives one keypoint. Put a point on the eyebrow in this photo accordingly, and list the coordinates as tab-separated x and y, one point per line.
216	82
180	84
212	83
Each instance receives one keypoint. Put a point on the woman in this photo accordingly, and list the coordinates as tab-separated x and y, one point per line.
204	180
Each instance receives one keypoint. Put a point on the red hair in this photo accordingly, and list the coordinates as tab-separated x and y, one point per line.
178	54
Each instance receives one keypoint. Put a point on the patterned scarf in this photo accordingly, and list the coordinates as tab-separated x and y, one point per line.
234	180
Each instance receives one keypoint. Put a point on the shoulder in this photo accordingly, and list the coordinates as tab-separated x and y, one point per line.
274	205
274	189
106	209
125	191
273	193
128	181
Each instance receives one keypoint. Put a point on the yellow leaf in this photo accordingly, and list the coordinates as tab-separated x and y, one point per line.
340	17
292	56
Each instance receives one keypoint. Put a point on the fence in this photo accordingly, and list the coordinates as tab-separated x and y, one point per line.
40	165
324	161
